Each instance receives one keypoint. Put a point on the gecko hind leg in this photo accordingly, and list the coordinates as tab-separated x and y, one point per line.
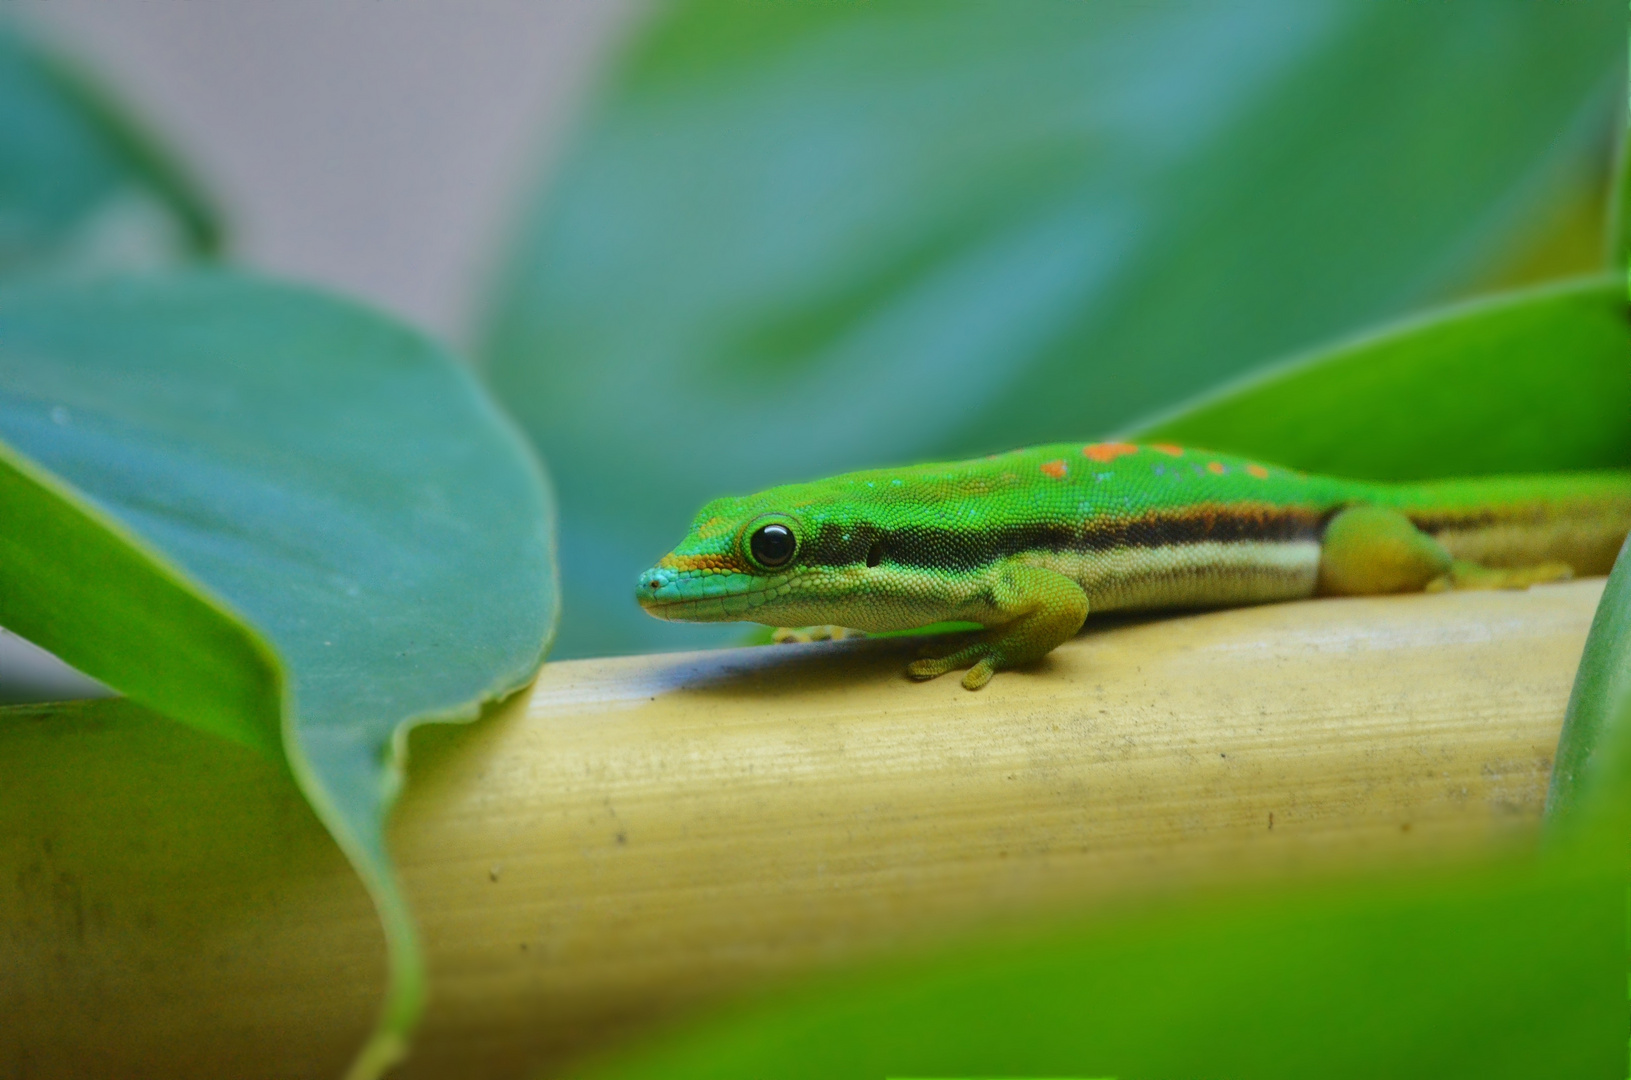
1045	608
1369	550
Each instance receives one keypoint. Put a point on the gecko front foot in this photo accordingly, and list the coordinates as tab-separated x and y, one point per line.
799	635
936	660
1043	609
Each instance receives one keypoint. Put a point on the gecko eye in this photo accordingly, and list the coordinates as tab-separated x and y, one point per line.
772	546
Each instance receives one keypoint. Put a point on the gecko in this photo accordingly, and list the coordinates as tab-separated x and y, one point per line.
1024	544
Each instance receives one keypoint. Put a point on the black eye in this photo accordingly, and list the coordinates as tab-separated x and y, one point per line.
773	546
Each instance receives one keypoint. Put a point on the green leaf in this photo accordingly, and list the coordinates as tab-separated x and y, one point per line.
82	187
1512	972
1591	772
277	517
795	239
1535	381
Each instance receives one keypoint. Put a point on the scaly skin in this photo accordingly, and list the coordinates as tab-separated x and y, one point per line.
1026	543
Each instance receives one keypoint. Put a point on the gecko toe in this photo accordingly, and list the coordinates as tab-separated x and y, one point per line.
978	653
928	667
980	674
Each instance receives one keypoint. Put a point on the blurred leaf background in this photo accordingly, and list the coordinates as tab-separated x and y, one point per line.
791	240
82	188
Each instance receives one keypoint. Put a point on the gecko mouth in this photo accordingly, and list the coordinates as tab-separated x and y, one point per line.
703	595
699	609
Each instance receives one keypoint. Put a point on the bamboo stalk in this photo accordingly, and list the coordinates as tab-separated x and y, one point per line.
637	836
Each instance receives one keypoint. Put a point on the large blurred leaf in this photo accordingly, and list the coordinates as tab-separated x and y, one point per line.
81	187
1513	973
1533	381
277	517
800	238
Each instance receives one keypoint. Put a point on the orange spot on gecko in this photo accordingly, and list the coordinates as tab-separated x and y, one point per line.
1258	471
1055	469
1168	448
1215	468
1108	451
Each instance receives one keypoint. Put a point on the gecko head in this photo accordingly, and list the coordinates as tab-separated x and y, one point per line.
741	559
795	555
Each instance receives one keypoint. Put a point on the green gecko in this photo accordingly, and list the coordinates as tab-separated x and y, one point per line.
1026	543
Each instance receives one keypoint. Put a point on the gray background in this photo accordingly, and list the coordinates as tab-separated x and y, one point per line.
372	145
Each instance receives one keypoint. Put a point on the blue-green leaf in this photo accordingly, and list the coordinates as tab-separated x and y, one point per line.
82	188
277	517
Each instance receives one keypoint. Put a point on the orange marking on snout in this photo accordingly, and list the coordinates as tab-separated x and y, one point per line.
1108	451
1215	468
1055	468
1168	448
1258	471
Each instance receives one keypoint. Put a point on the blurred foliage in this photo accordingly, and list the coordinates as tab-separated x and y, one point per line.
1513	971
1536	381
1593	760
795	239
82	188
1619	217
275	516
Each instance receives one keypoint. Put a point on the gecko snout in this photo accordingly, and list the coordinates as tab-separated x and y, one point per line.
653	582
